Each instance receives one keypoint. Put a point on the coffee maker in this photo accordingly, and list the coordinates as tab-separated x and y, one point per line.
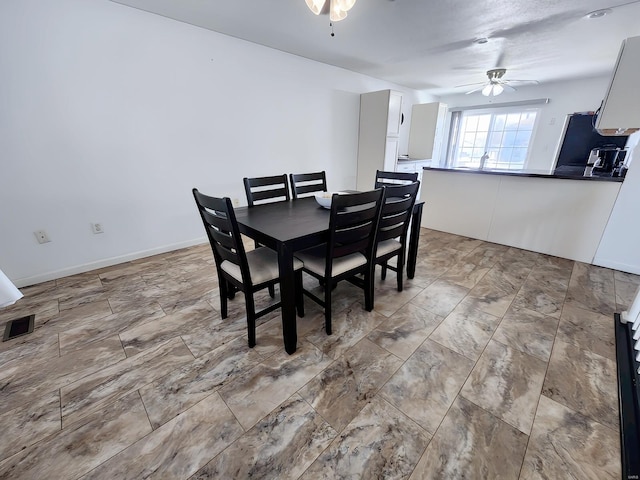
609	161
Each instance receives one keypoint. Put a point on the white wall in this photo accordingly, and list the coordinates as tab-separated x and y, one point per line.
564	98
109	114
620	244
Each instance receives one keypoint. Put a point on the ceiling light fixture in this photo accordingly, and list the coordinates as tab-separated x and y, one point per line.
492	90
337	8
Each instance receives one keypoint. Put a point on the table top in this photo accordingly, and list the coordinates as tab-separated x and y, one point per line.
284	222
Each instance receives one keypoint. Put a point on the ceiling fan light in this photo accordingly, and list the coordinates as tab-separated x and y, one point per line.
316	6
335	12
497	89
486	91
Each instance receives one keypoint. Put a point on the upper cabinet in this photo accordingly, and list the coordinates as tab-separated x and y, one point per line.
380	117
426	131
620	112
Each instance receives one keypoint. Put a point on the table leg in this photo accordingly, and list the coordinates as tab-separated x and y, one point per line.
287	297
414	237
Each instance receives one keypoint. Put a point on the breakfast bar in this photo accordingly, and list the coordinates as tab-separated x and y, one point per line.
559	215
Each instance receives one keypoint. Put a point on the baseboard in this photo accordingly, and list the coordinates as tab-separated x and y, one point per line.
107	262
623	267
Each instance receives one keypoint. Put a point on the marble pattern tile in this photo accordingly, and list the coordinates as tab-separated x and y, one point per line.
94	391
28	424
150	334
342	389
427	384
565	444
472	443
184	387
405	330
269	384
33	377
530	332
441	297
349	326
93	330
625	294
82	447
583	381
177	449
506	383
489	298
592	287
466	331
388	379
379	443
588	330
282	445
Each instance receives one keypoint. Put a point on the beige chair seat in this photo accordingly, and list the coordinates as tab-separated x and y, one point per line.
314	260
387	246
263	266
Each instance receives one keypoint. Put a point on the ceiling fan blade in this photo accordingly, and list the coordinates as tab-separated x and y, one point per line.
476	89
470	84
508	87
511	80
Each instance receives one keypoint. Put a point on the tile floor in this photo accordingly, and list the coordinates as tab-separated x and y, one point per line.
493	363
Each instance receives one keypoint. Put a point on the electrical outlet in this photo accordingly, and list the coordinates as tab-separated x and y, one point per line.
236	202
97	228
42	236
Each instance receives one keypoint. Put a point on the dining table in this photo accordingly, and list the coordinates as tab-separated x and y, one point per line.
290	226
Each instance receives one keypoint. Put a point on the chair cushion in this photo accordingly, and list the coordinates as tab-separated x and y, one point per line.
263	266
314	261
388	246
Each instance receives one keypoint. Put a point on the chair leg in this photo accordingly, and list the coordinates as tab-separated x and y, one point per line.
272	290
223	286
383	273
368	291
231	291
251	318
400	268
299	295
327	308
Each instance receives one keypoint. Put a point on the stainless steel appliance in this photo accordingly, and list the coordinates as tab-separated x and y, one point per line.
609	160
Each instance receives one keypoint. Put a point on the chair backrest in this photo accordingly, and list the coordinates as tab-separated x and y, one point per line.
220	223
265	189
384	178
353	224
396	211
303	183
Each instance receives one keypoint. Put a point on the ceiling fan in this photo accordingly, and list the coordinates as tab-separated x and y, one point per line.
496	85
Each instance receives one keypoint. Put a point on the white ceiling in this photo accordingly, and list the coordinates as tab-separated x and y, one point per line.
428	45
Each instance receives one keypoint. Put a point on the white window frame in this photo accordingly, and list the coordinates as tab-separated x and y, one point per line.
456	121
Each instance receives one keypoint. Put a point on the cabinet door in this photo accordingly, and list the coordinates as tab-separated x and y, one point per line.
390	154
621	107
427	122
395	111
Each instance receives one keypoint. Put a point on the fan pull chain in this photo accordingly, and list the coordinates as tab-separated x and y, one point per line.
331	25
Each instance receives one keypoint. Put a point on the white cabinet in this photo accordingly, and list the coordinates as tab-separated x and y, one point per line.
426	132
380	114
620	112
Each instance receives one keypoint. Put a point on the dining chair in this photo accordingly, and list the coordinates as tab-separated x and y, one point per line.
249	271
384	178
349	251
391	238
266	189
303	183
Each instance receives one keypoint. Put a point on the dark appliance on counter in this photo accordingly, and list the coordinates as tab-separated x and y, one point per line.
609	162
578	141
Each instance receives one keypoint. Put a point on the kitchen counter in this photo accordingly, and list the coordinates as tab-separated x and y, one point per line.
545	213
564	175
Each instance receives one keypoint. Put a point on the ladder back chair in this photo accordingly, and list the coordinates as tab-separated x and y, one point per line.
384	178
349	251
248	272
305	183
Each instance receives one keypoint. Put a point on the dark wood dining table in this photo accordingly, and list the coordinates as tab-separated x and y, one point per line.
291	226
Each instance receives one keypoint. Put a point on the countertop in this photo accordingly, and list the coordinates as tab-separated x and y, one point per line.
529	173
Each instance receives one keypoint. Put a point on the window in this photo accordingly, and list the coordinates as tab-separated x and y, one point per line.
496	138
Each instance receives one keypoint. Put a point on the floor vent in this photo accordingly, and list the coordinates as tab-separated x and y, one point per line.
18	327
